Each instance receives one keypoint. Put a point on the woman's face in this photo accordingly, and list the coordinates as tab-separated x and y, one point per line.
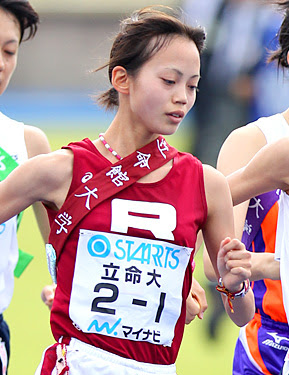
9	43
164	89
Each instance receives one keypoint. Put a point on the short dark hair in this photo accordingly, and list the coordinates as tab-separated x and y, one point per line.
132	46
24	13
280	55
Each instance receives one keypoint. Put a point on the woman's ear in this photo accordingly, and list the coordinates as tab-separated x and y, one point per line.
120	79
288	58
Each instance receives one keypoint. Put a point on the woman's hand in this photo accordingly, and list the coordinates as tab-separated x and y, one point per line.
234	264
47	295
196	303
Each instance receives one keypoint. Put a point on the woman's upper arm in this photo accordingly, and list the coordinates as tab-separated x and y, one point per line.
42	178
268	170
238	149
220	222
37	143
20	189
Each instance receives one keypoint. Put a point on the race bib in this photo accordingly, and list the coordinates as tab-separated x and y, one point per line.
128	287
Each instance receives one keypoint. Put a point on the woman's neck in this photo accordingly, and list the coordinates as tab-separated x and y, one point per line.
125	138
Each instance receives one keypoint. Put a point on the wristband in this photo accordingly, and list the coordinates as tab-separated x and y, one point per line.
232	295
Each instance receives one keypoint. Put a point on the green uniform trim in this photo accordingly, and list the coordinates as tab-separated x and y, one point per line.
7	165
23	261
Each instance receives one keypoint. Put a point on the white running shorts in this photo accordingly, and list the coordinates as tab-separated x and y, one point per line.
89	360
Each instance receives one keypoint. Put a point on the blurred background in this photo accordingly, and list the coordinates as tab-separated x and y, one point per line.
53	88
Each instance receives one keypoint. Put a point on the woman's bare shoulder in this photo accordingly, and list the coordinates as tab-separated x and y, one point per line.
57	163
36	141
239	148
215	182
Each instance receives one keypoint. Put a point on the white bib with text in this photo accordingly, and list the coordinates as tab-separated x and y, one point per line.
128	287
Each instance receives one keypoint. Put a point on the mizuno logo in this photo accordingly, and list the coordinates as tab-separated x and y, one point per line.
277	338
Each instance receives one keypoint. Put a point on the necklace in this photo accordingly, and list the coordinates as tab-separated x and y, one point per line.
106	145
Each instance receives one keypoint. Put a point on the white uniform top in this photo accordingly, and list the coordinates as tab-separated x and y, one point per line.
12	141
282	247
274	128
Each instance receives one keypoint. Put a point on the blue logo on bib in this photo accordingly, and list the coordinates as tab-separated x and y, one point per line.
98	246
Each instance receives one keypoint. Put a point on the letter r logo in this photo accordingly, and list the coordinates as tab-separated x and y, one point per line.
135	214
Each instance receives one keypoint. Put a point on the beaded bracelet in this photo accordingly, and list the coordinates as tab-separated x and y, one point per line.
232	295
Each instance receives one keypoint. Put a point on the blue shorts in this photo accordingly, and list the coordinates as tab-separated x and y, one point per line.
261	348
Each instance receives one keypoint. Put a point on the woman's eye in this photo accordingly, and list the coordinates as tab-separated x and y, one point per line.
168	81
10	53
194	88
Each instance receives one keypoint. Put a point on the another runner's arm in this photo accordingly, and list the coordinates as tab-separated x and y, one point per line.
238	149
37	143
229	257
264	266
43	178
268	170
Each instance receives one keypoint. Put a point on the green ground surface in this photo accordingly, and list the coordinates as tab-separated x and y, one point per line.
28	317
